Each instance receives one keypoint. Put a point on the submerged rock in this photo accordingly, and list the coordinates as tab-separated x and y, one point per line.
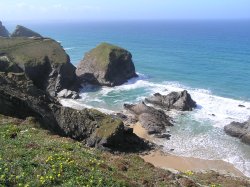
43	61
239	130
3	31
175	100
106	65
22	31
153	120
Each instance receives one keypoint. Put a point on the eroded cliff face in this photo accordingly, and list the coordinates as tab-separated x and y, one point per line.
106	65
43	61
19	97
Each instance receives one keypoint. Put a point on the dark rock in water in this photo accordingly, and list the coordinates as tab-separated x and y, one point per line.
43	61
106	65
19	97
22	31
242	106
3	31
153	120
175	100
167	136
68	94
239	130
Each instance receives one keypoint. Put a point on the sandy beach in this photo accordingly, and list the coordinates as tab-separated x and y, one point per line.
169	161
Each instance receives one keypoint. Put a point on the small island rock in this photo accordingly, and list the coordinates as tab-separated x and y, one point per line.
106	65
175	100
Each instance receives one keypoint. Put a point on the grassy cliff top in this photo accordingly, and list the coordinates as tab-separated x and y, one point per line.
32	50
102	53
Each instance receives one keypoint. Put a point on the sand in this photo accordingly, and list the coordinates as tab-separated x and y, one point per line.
169	161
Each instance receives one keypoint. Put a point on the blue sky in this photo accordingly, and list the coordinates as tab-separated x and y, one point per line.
123	9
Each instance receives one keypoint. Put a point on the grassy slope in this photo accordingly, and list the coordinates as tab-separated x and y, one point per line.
31	156
32	51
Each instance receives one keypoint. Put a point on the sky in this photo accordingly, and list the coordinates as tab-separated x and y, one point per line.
123	9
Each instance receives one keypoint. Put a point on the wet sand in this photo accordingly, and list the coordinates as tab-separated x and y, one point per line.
169	161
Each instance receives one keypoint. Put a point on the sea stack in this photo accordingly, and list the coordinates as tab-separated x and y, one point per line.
3	31
22	31
106	65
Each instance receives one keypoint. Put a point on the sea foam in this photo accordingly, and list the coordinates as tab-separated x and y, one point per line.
198	133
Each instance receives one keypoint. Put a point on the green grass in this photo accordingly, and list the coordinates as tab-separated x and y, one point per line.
102	52
31	156
30	51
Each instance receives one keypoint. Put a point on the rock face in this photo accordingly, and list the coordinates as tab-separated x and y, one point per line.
19	97
3	31
175	100
106	65
239	130
44	62
153	120
22	31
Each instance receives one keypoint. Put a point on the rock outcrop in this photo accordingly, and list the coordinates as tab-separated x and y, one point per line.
106	65
19	97
43	60
3	31
68	94
239	130
153	120
175	100
22	31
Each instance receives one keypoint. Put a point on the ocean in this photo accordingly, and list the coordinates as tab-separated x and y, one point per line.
210	59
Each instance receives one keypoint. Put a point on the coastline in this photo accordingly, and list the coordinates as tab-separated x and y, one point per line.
173	162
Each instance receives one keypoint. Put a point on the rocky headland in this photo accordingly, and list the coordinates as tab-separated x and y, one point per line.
43	61
3	31
22	31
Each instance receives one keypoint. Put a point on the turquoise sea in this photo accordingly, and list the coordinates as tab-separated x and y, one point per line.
211	59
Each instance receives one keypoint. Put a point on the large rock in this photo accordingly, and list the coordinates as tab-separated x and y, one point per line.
22	31
175	100
106	65
239	130
153	120
44	62
3	31
19	97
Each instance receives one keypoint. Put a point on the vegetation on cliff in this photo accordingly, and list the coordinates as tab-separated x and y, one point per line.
31	156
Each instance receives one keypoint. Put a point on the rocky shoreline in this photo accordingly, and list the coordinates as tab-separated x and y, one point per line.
36	71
